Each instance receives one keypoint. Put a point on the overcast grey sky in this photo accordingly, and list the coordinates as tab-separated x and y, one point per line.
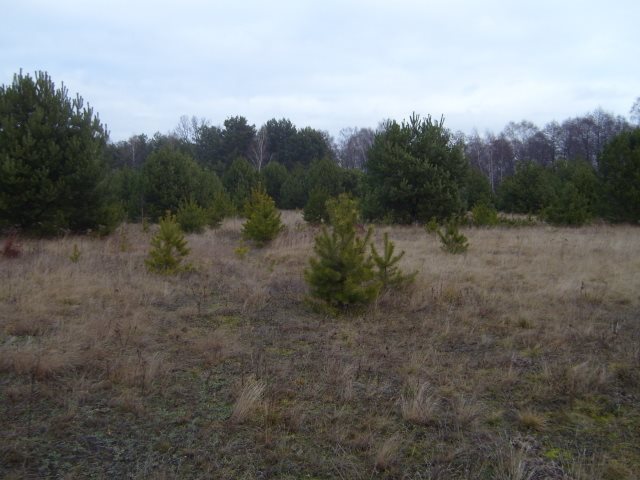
330	64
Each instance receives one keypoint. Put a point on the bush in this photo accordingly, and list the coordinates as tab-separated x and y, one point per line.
169	248
484	215
342	274
263	219
191	217
452	240
432	226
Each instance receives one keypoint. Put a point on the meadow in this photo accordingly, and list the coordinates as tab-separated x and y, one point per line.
517	360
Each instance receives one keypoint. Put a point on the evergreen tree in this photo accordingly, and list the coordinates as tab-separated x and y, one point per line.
452	240
342	273
127	186
52	171
388	272
169	248
263	218
294	190
528	190
220	208
620	174
239	180
478	189
170	177
273	177
414	172
191	217
568	207
315	211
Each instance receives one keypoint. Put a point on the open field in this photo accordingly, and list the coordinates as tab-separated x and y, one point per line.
520	359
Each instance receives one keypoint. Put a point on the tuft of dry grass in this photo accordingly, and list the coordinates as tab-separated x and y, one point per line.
466	411
248	401
585	378
511	464
387	455
420	405
531	420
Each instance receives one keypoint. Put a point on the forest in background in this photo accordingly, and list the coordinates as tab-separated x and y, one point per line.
61	173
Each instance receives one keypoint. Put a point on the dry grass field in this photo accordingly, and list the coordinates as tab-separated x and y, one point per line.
519	360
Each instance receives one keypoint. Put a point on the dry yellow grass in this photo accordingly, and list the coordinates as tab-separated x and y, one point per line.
248	400
533	332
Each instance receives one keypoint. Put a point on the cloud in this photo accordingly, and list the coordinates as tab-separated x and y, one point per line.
330	64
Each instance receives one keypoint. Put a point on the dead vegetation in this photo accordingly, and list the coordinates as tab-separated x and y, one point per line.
518	359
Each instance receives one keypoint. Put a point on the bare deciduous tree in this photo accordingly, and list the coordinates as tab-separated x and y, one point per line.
187	128
353	145
259	154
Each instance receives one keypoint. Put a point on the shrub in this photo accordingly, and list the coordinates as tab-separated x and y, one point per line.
263	219
484	215
452	240
169	248
191	217
342	274
432	226
388	272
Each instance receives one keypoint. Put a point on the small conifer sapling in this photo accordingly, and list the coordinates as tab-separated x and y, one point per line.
169	248
263	222
342	274
452	240
389	273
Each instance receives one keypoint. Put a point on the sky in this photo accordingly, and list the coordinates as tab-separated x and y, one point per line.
330	64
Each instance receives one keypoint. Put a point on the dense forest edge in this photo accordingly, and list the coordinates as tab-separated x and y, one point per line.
60	173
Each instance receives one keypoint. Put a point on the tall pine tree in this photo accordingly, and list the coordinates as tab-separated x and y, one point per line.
51	160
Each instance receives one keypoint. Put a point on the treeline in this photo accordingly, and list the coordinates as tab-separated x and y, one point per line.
554	172
59	172
209	163
564	171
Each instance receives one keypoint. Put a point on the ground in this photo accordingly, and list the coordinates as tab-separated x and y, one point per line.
519	359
